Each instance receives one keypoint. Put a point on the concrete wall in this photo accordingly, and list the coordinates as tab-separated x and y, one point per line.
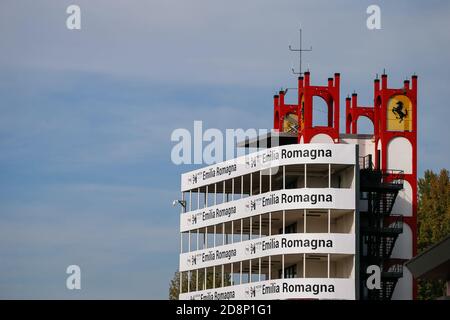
400	155
343	268
403	290
343	224
403	202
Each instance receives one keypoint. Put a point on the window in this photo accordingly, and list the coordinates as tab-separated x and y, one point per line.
289	272
292	228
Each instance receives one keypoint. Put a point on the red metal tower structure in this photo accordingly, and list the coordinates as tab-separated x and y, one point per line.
394	118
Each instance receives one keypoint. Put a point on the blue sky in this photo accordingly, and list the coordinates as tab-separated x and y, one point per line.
86	117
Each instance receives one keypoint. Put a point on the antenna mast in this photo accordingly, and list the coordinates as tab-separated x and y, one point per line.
300	50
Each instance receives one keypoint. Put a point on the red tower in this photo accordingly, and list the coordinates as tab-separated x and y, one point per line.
396	149
330	94
298	118
394	145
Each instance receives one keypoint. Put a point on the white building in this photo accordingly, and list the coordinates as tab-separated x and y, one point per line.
288	208
307	217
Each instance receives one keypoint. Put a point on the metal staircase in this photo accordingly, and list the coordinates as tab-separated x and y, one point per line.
379	228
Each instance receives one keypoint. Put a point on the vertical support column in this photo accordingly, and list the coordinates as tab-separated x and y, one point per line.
242	187
251	184
329	175
250	270
198	240
231	276
214	277
270	267
196	280
242	229
189	282
198	198
251	228
329	220
259	260
270	223
232	199
260	225
232	189
304	220
304	214
306	170
270	179
259	270
304	265
328	266
189	272
232	231
206	277
240	272
240	263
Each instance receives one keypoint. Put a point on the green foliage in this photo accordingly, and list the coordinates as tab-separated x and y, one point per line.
174	289
433	221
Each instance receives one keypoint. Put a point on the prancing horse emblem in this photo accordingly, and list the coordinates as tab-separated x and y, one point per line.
399	112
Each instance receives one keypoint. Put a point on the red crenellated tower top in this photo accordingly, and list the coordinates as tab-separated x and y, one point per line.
308	132
298	118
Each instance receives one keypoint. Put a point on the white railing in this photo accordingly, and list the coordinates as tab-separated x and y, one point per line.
293	243
295	288
286	199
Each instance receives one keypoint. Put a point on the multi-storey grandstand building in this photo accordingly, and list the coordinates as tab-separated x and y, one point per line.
311	215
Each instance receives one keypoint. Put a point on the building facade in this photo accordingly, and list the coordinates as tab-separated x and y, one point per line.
310	216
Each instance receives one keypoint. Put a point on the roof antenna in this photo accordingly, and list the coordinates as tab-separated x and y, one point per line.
300	50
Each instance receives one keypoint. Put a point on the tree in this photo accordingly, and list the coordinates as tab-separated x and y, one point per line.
174	288
433	221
